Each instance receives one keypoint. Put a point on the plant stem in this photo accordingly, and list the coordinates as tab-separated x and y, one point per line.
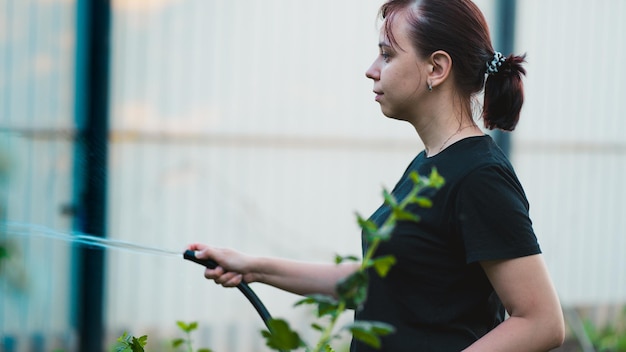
365	264
370	253
326	335
374	245
189	348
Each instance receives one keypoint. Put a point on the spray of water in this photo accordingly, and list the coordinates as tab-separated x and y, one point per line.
33	230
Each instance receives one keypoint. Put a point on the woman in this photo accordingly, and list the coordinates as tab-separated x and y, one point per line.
473	255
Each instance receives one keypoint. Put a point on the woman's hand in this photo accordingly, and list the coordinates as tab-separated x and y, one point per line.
233	267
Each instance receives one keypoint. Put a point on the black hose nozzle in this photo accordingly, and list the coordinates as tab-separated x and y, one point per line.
191	255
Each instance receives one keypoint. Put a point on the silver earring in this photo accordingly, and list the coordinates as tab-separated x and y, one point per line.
430	87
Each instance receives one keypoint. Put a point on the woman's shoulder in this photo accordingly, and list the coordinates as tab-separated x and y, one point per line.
465	157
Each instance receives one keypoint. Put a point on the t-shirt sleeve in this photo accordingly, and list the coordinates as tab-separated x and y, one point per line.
492	213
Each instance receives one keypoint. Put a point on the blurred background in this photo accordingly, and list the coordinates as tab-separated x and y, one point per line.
250	124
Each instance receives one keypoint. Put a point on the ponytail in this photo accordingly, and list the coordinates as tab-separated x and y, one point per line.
504	92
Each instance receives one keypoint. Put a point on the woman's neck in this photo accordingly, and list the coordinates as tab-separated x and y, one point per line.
440	133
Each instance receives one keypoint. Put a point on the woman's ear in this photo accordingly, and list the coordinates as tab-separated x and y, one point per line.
440	65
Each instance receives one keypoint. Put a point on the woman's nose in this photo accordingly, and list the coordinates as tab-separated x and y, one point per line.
372	72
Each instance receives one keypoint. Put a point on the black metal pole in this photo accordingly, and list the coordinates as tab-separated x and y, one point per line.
505	43
90	166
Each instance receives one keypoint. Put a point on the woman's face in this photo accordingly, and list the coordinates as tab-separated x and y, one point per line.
398	73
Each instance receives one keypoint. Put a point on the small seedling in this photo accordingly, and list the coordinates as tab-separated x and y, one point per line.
129	343
187	329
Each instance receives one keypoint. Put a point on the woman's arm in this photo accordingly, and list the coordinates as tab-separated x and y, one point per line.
536	319
293	276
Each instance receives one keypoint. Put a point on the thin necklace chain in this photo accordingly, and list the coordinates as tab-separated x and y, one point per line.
454	134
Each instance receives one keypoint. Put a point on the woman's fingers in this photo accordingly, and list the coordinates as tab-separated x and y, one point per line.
231	281
213	274
224	278
231	264
207	252
196	247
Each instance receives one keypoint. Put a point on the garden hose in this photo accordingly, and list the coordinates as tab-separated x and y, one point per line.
243	287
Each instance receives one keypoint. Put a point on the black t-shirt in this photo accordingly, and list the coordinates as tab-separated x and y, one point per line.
437	295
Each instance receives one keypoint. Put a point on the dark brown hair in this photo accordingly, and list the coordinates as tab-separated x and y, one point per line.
458	27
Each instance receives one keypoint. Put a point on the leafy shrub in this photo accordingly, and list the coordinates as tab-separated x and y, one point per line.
610	337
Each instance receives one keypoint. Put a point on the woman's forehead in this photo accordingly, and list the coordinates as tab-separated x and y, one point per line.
394	31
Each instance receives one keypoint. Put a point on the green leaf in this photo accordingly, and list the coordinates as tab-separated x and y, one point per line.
317	327
327	348
325	304
4	252
389	198
367	337
382	265
182	325
138	343
123	338
187	327
280	336
415	177
122	348
403	215
422	202
340	259
376	327
177	342
369	332
315	299
353	289
435	180
131	343
143	340
368	226
205	350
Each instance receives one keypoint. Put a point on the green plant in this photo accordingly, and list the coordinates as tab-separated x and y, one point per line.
12	270
352	291
129	343
4	253
187	329
610	337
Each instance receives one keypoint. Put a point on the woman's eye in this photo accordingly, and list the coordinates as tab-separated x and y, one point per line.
385	56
